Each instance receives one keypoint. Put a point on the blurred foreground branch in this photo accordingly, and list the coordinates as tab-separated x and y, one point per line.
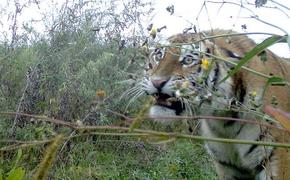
146	135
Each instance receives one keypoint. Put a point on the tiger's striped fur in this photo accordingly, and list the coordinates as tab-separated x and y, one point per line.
170	67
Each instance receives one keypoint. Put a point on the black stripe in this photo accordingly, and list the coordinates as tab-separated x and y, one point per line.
254	146
205	79
234	167
178	107
240	93
247	173
231	54
260	167
241	127
229	123
208	52
199	69
234	114
193	83
216	76
251	149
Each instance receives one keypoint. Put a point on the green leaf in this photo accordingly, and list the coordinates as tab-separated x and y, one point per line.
263	56
18	157
160	140
16	174
275	81
256	50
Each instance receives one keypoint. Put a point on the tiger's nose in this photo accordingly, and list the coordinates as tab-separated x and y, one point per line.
159	83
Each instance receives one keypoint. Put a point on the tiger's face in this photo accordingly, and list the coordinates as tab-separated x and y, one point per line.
174	76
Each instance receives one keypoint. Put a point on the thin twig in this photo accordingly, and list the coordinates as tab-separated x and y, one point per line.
269	24
42	118
142	133
13	128
253	16
243	121
125	131
272	7
275	2
121	115
78	127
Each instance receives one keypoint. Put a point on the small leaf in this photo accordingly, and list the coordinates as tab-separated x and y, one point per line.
18	157
149	27
48	158
279	115
153	32
160	140
170	9
260	3
263	56
275	80
16	174
244	26
256	50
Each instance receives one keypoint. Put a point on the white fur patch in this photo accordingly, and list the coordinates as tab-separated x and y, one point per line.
157	110
262	175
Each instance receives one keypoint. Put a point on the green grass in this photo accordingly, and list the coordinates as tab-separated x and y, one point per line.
128	159
100	157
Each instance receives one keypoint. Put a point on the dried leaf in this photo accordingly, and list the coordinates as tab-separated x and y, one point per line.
170	9
260	3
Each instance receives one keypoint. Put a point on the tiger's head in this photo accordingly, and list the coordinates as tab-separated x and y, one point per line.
186	73
180	74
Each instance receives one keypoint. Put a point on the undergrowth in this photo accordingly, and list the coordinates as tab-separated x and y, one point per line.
102	157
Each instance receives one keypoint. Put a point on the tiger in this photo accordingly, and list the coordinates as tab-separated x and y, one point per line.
186	73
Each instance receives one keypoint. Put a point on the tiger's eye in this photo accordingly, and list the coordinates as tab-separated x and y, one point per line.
158	54
187	60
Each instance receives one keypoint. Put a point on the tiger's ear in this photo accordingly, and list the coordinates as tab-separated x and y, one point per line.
207	47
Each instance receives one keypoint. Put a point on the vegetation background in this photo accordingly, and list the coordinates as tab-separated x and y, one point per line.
76	71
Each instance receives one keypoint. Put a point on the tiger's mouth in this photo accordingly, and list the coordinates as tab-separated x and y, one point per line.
163	99
169	102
